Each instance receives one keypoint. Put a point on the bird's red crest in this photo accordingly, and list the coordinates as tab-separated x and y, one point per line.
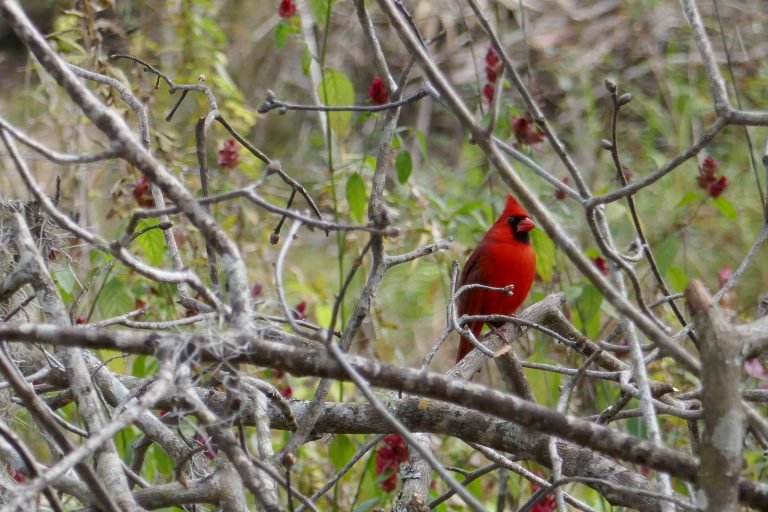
513	208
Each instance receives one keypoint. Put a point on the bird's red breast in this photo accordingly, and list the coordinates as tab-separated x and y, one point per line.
503	257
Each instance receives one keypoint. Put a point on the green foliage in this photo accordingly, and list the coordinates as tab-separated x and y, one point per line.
152	243
545	254
284	30
356	196
306	59
586	310
726	208
65	281
320	10
335	90
404	166
115	298
341	449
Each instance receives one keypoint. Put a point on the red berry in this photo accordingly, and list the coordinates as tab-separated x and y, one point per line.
754	368
724	275
488	90
377	91
709	166
717	187
17	476
560	194
142	192
286	9
300	311
707	171
492	65
210	448
601	264
491	74
491	57
228	154
392	454
525	131
545	504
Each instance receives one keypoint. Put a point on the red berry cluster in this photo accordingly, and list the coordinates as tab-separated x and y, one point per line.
525	131
377	91
286	9
228	154
724	275
17	475
388	459
209	447
601	264
755	369
545	504
285	387
560	195
492	69
708	181
142	192
300	311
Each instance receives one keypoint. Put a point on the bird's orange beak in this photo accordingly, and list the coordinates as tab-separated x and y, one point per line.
525	225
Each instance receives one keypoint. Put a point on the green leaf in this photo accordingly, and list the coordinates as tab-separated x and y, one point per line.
587	308
370	162
340	450
152	243
139	368
726	208
115	298
592	252
336	90
422	143
544	248
356	196
688	198
366	505
677	278
282	31
65	280
323	314
320	11
469	207
666	251
158	463
404	166
306	60
224	81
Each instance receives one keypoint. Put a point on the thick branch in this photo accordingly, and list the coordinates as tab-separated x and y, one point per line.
724	415
427	384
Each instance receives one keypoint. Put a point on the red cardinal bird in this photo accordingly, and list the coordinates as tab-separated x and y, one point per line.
503	257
